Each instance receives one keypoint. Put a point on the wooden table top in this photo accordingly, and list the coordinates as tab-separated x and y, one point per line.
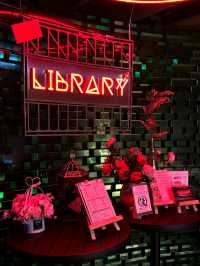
169	220
67	241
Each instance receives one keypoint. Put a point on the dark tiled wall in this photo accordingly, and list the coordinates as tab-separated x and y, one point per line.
165	59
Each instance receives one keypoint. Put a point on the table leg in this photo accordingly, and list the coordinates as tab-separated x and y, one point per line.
155	249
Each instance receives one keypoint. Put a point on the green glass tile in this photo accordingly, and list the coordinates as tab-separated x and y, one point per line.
34	191
101	152
1	55
144	67
35	156
43	164
78	145
101	27
45	180
35	140
91	145
1	194
118	186
83	153
97	167
115	194
92	174
91	160
15	58
105	20
174	61
91	17
13	184
2	176
150	60
137	74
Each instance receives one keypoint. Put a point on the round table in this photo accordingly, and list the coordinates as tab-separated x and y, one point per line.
67	242
168	220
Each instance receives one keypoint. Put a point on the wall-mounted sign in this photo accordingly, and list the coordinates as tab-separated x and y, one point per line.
50	80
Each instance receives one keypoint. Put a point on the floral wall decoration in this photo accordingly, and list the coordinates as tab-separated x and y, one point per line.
135	166
153	102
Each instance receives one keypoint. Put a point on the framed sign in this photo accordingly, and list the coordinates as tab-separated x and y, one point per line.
62	82
142	202
178	178
98	206
161	187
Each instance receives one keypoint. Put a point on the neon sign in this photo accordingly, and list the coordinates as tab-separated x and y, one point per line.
48	80
54	81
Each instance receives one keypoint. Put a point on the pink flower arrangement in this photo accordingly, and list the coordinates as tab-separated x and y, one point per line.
27	206
134	166
129	168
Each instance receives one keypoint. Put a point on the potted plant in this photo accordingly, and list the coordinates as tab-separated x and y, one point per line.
31	209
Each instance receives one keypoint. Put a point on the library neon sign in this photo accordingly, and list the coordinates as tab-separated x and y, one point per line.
56	82
48	80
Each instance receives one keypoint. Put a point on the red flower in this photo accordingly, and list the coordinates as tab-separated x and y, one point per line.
148	170
133	151
106	169
136	176
121	164
159	134
165	93
141	159
123	174
171	157
149	123
110	141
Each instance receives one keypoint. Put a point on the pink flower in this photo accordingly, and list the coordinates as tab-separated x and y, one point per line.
148	170
141	159
106	169
136	176
110	142
158	152
121	164
123	174
25	207
133	151
171	157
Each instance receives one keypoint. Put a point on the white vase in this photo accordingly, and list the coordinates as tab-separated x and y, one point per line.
34	226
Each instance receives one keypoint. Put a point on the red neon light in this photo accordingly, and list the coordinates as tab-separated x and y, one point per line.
91	86
26	31
151	1
53	81
107	83
61	81
76	82
35	83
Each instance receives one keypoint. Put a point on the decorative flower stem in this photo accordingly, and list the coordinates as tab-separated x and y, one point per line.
153	154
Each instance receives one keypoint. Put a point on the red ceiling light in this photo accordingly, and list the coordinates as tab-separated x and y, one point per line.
151	1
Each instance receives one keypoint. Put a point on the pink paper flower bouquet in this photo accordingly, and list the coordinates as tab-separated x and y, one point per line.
27	206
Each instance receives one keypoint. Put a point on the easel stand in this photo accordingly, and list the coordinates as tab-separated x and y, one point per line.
98	206
187	204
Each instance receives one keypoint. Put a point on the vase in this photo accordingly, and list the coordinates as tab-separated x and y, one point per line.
34	226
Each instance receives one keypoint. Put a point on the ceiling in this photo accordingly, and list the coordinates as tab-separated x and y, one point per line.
182	14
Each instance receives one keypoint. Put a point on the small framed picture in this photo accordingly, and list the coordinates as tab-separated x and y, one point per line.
142	201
